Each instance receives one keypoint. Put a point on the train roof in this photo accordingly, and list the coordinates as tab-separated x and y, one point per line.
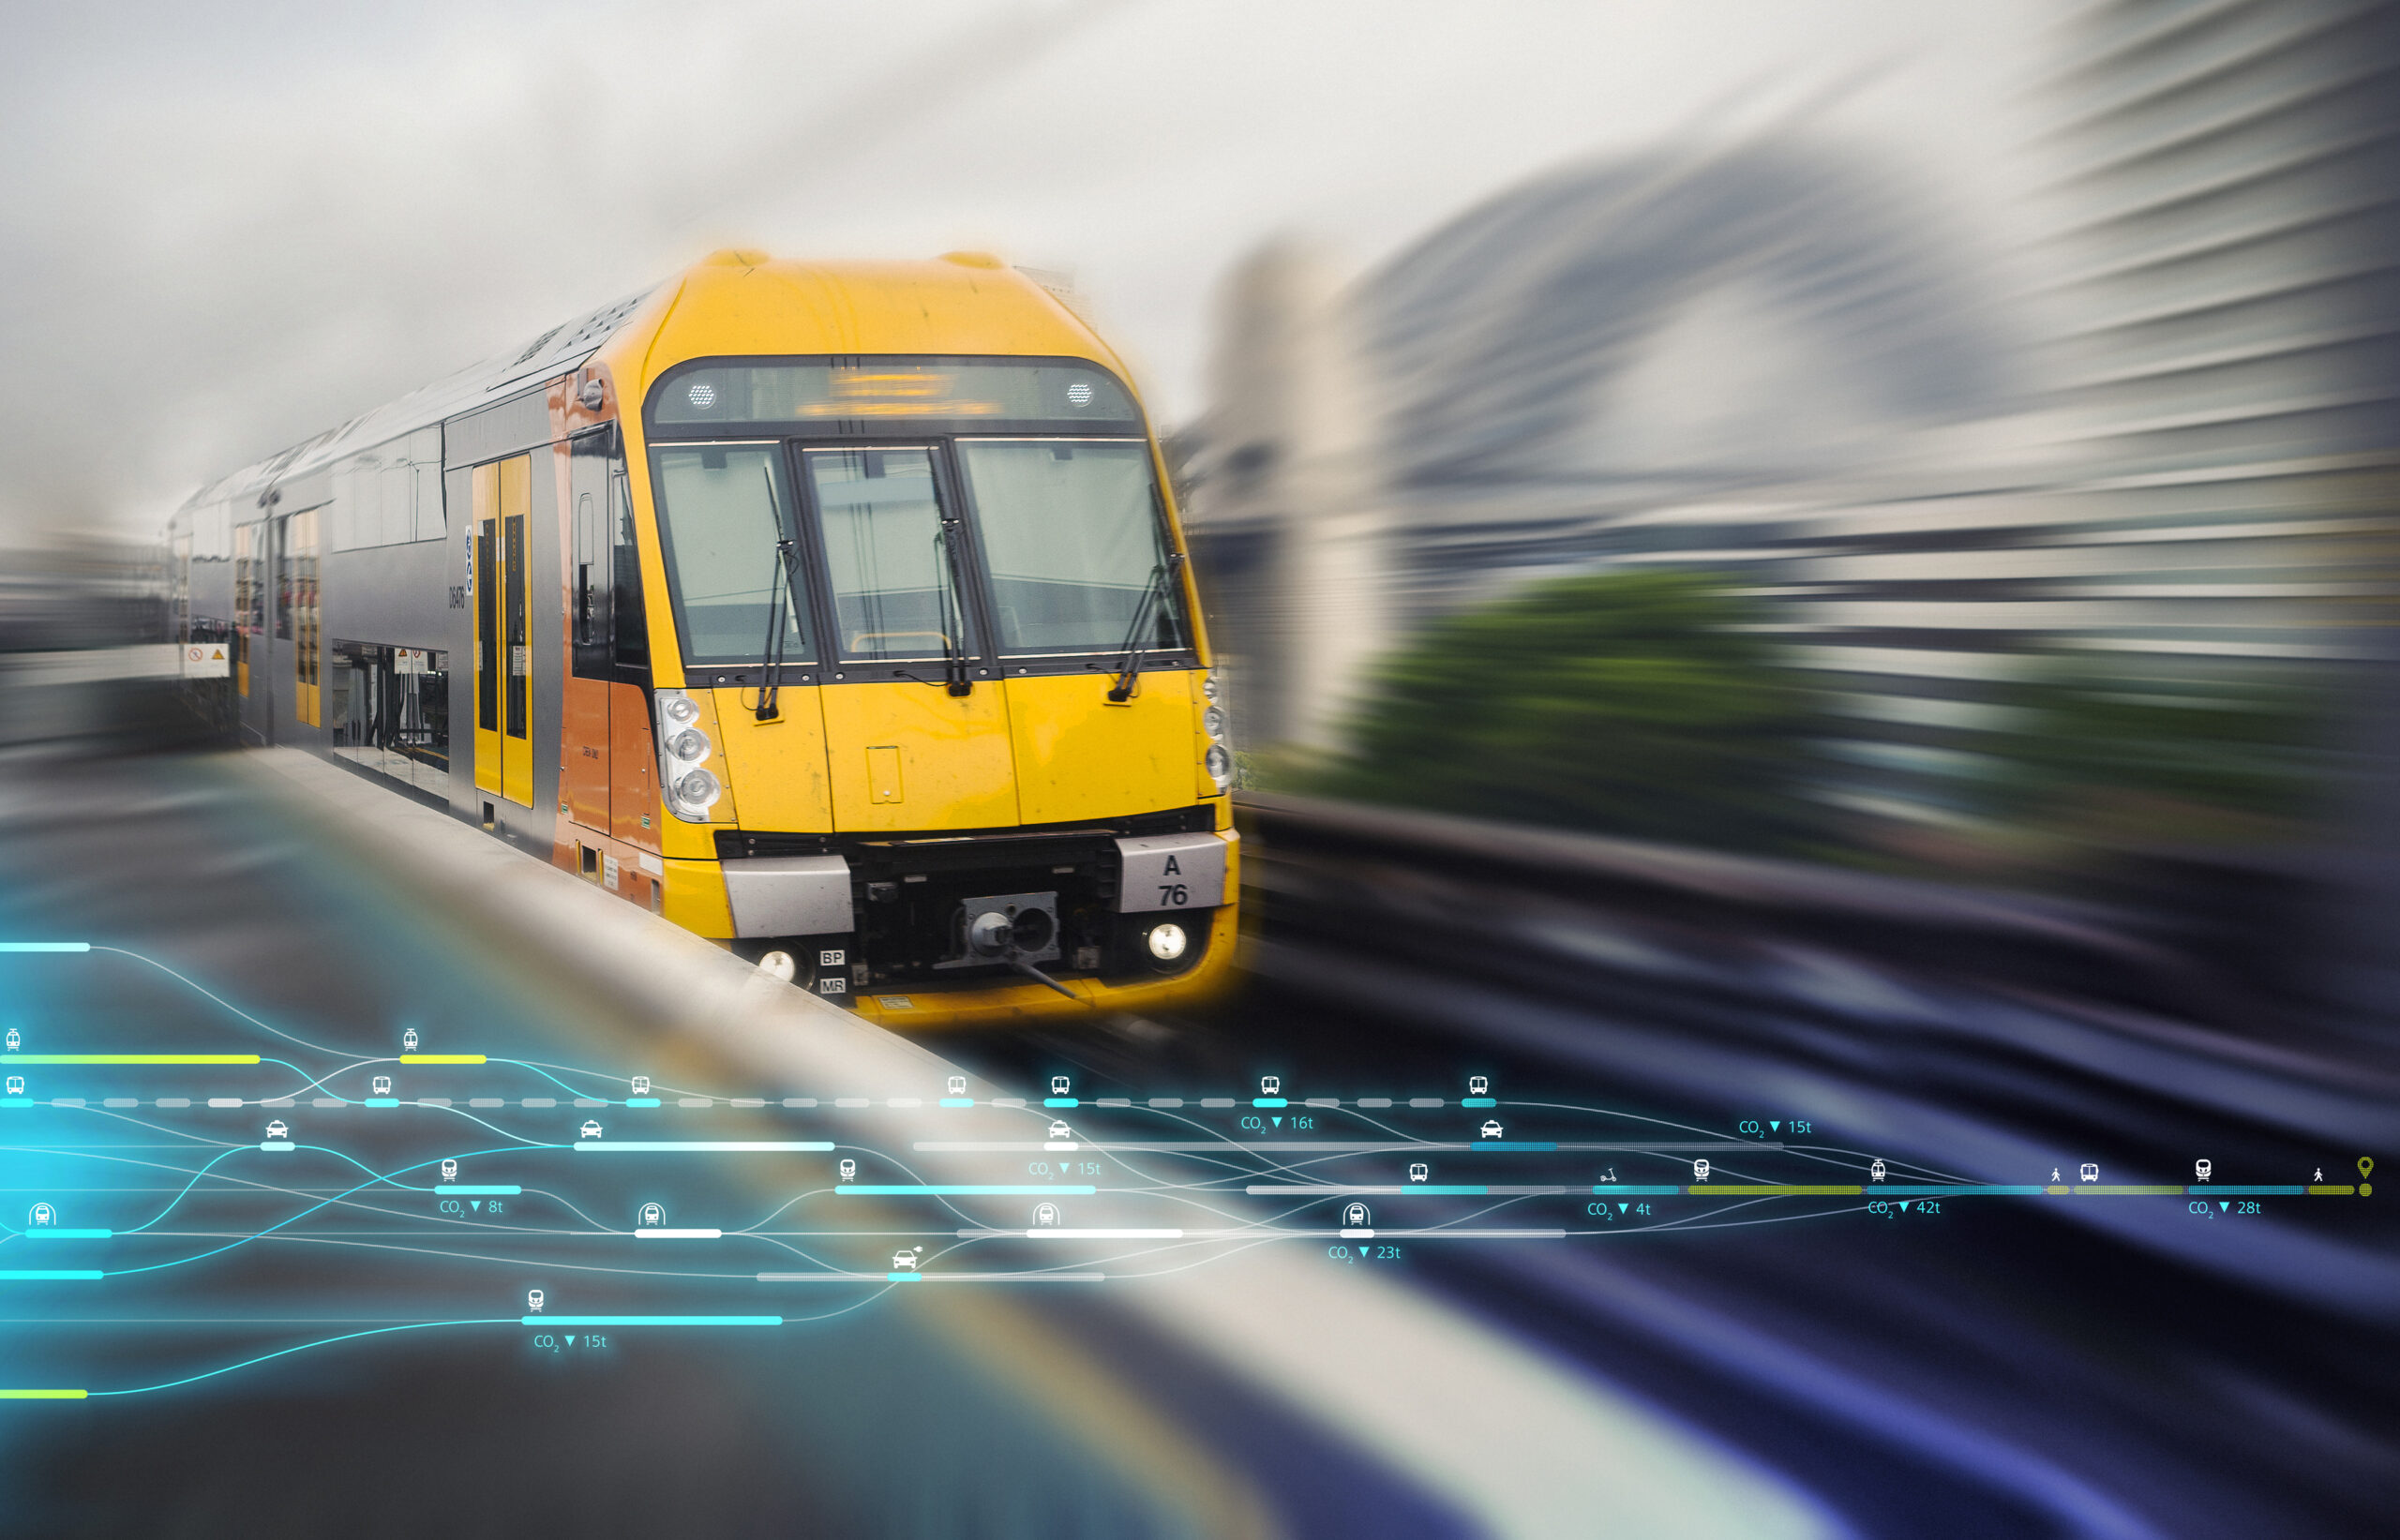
730	301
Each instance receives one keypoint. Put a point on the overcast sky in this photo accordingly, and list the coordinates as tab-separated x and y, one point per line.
224	227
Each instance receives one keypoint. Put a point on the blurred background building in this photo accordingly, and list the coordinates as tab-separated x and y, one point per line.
2141	458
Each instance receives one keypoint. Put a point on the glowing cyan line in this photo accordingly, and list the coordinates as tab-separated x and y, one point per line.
130	1058
649	1321
45	946
281	1353
722	1146
956	1190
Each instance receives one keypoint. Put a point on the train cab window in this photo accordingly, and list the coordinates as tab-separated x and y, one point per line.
888	553
725	508
628	622
1073	535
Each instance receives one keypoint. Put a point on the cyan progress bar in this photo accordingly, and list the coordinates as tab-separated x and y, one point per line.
45	946
1429	1190
697	1146
49	1275
963	1189
651	1319
129	1058
1319	1146
934	1278
1265	1232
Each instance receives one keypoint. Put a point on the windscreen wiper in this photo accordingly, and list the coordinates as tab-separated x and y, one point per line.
771	651
1129	665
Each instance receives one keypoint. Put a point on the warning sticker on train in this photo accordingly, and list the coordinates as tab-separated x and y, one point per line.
206	660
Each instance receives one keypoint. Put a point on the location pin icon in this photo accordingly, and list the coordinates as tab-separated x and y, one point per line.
2367	1165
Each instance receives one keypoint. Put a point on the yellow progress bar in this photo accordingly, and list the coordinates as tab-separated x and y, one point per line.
1768	1190
2333	1192
442	1058
129	1058
43	1395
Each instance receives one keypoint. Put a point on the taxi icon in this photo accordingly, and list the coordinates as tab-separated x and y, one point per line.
276	1130
1491	1129
590	1129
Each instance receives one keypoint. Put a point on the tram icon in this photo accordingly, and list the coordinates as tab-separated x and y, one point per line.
533	1299
41	1215
408	1040
449	1171
1046	1216
850	1170
1356	1217
1699	1170
652	1215
16	1039
1875	1171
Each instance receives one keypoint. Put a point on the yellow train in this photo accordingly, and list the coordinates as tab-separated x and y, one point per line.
834	611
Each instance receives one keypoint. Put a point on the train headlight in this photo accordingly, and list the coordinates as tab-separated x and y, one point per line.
1221	764
1213	720
691	744
1166	941
1209	686
697	790
679	708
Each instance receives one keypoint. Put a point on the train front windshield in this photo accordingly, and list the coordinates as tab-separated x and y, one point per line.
1075	543
1031	486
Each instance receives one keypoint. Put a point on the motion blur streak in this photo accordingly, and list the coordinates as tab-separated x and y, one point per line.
1784	615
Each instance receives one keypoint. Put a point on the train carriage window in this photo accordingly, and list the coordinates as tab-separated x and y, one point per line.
723	510
896	591
591	579
519	674
1073	534
486	629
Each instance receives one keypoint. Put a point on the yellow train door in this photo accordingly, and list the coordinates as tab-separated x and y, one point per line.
504	658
